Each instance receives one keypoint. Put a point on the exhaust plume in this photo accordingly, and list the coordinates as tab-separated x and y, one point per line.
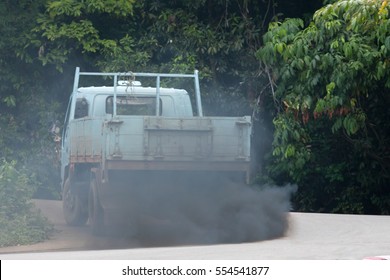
196	211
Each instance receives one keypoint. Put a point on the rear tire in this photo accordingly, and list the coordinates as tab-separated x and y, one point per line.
74	209
96	212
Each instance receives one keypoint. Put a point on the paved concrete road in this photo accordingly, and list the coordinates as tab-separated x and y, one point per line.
310	237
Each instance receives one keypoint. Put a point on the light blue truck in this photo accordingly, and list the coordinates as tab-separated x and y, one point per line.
126	135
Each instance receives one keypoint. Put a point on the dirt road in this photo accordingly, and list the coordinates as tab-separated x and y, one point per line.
67	238
311	236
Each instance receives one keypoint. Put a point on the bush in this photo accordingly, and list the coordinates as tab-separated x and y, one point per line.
20	223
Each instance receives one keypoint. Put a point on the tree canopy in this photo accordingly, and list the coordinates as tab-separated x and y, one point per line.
331	80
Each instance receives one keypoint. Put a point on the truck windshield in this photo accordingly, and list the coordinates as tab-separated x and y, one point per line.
133	105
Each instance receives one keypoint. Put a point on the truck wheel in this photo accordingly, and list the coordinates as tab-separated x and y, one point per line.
75	212
96	213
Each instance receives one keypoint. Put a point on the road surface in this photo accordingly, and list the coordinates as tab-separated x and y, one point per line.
310	237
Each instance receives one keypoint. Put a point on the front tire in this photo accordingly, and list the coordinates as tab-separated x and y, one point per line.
75	212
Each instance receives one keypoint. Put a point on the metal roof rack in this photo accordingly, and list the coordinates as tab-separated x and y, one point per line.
158	76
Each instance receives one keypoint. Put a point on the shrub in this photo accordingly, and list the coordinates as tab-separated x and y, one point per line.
20	222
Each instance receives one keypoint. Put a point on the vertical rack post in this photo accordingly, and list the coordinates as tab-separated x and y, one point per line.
115	85
158	95
197	94
76	79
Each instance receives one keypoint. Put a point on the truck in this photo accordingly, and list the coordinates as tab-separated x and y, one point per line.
124	135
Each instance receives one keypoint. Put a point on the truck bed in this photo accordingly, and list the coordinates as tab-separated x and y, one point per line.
150	142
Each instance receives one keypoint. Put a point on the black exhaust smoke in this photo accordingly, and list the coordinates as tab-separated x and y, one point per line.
196	209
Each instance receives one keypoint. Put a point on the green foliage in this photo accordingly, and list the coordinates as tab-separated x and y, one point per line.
68	27
219	39
27	107
333	79
20	223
